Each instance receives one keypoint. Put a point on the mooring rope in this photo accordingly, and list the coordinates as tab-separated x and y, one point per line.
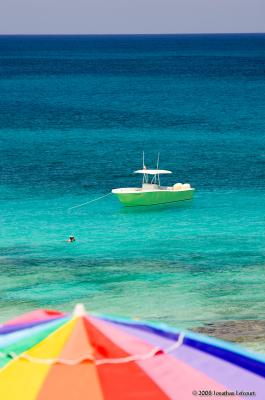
90	201
89	357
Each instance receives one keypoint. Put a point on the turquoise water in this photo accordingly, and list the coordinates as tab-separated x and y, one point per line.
76	113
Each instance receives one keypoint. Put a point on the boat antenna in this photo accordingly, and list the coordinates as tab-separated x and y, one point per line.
143	159
157	165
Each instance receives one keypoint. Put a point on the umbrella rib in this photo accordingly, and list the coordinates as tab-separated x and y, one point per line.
89	357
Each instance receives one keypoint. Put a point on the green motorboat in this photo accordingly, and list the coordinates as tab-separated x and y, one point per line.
151	193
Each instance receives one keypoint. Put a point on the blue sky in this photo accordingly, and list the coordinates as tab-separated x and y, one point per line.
131	16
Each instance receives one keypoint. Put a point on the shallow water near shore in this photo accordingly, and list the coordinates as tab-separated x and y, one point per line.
76	115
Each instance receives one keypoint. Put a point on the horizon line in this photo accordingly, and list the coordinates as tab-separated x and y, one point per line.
133	34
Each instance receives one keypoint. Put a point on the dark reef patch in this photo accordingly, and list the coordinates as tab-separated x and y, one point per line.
240	331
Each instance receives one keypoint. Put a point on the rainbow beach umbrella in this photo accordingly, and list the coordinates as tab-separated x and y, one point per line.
48	355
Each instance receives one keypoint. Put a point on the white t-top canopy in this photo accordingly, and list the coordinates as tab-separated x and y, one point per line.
152	171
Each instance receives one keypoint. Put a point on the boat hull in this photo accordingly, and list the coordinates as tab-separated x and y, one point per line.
154	198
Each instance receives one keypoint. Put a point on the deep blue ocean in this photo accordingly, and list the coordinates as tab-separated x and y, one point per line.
76	112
